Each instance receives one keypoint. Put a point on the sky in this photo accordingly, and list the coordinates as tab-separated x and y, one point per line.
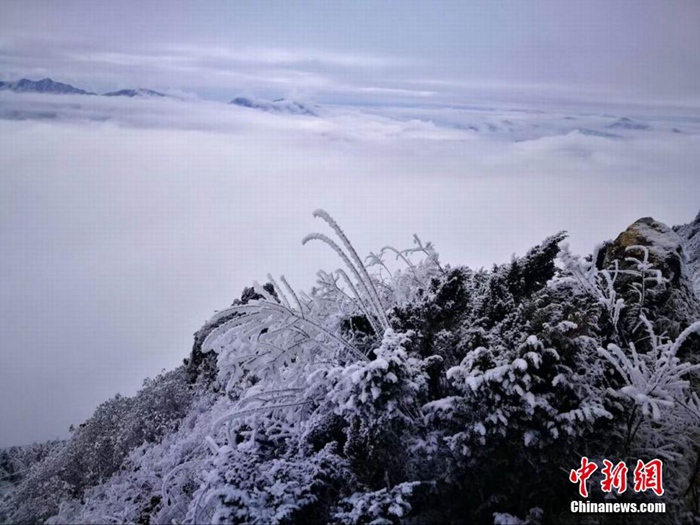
443	52
125	224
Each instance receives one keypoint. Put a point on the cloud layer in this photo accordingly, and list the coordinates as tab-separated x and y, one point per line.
125	223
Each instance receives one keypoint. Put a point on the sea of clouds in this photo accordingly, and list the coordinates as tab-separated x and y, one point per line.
125	223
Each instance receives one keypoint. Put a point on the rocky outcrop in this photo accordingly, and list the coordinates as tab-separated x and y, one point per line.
690	238
203	364
664	245
673	301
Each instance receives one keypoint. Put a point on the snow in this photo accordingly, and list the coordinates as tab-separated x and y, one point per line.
318	418
690	238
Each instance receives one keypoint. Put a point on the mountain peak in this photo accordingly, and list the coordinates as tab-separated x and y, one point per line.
280	105
629	124
45	85
137	92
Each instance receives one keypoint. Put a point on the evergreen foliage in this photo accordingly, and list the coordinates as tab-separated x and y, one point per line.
421	394
97	448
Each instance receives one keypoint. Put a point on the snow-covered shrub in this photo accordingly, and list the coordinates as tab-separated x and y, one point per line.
242	487
401	390
379	403
15	462
99	447
156	481
511	411
651	389
40	491
663	410
477	383
382	507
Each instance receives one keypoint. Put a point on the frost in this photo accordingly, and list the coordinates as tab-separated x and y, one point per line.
398	390
656	380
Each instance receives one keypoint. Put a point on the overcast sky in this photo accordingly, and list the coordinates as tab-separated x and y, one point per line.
442	51
124	224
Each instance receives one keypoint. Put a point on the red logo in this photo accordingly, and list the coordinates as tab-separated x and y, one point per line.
647	476
581	475
615	477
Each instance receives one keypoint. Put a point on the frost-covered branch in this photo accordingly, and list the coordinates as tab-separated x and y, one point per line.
655	380
357	268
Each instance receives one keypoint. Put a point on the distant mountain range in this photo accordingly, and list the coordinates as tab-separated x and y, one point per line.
476	119
280	105
628	123
48	85
139	92
42	86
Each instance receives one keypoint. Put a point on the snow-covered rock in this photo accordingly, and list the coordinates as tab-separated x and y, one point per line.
664	245
676	299
690	239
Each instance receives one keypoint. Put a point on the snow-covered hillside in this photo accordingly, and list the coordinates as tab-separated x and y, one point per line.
403	390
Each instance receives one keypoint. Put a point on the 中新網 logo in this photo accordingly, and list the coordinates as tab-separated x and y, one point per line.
647	476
